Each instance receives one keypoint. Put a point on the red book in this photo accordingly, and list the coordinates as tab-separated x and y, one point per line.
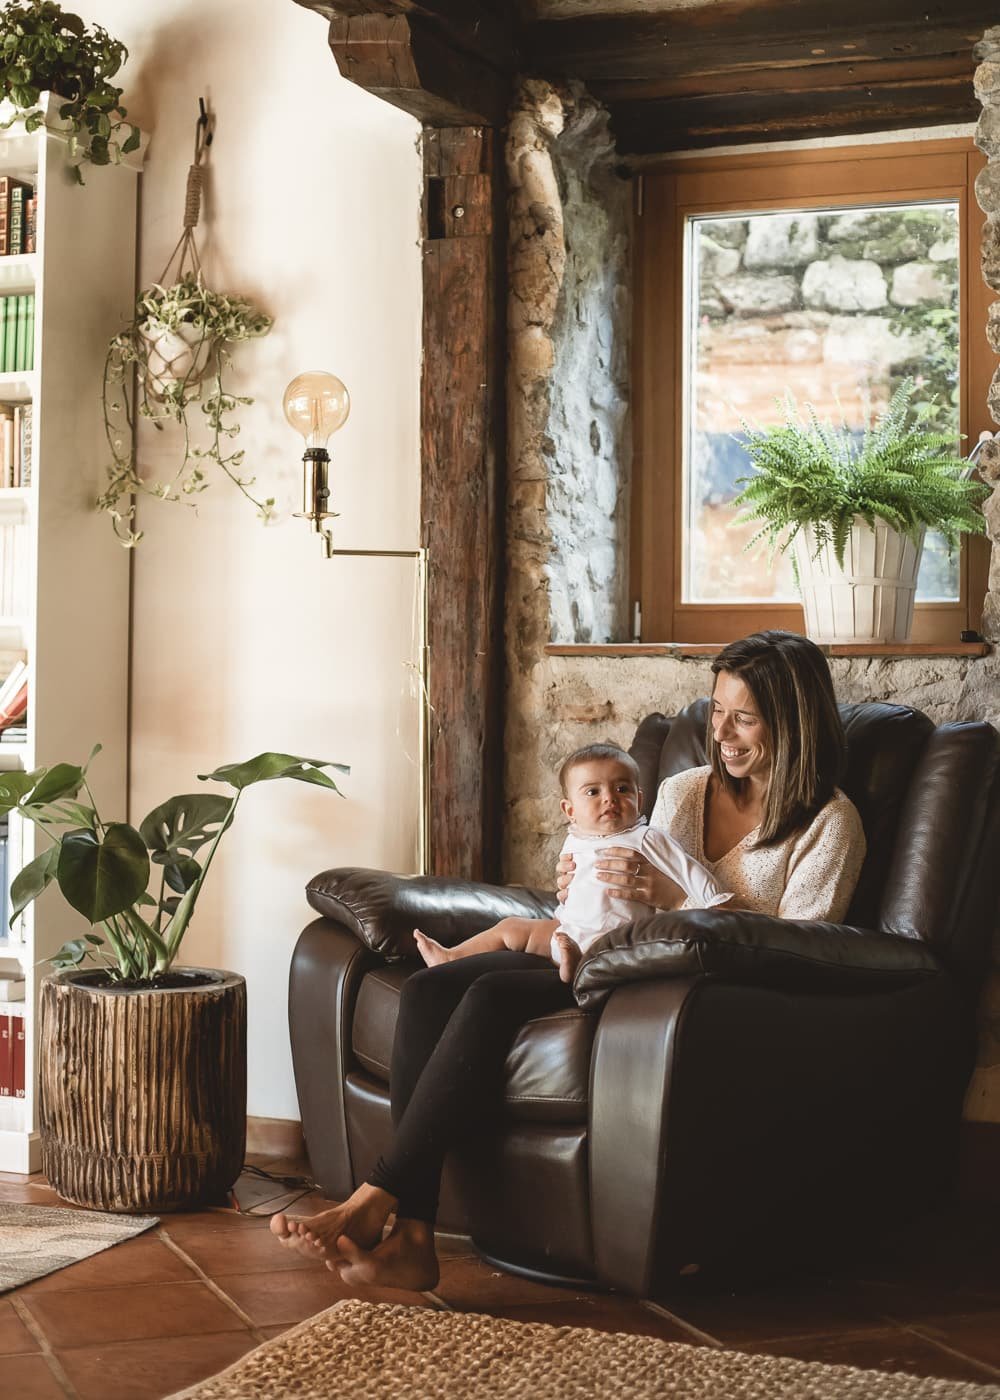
6	1059
17	1058
16	707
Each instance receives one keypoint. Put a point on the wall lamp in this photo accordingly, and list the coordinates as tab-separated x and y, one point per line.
316	404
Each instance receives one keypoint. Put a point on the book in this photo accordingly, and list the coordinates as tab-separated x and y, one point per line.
16	707
10	687
27	412
29	357
9	332
31	225
6	1058
18	1046
16	234
20	344
6	445
12	988
7	187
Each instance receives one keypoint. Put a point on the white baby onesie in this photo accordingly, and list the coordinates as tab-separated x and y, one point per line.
591	910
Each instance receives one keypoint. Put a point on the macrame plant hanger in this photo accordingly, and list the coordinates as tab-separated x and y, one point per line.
186	250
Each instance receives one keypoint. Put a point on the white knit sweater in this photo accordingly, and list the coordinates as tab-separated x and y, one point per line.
811	875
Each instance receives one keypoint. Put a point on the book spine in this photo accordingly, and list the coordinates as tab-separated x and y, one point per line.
18	439
4	215
6	447
27	418
6	1058
9	332
20	342
31	225
16	204
29	359
18	1047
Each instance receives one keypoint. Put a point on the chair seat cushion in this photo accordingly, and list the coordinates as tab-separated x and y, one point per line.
548	1067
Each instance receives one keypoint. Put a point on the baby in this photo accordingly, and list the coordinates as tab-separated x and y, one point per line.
602	801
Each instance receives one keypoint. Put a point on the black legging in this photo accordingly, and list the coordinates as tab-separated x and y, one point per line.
456	1023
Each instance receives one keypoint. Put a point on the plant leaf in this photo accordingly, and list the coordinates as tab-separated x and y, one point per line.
180	874
14	786
63	780
29	882
182	824
267	766
102	878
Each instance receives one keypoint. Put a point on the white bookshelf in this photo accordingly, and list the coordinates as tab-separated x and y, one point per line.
72	572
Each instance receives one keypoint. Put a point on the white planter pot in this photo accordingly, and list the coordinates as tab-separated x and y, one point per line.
871	598
174	356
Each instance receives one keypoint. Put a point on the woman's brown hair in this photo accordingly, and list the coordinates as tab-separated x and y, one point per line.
789	680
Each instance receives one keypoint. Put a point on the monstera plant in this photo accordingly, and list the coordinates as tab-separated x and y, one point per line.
104	869
141	1064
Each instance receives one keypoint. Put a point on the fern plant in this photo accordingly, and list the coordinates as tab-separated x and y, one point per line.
810	472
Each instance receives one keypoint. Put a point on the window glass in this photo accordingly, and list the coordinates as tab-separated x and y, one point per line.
836	306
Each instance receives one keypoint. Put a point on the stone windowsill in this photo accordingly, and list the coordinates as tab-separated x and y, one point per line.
701	649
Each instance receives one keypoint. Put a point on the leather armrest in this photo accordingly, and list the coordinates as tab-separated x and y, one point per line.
382	910
742	947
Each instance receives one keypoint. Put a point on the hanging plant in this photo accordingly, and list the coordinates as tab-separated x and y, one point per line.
44	48
170	361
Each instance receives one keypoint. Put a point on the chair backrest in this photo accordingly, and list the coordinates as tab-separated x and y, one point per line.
929	798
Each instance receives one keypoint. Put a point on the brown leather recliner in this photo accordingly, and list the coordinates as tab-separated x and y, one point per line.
733	1087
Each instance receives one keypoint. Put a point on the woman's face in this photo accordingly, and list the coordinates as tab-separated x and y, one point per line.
740	734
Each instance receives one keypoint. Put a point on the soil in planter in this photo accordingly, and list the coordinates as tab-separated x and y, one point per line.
164	982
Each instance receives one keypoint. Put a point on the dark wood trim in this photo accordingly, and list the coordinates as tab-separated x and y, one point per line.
462	471
406	62
276	1137
469	26
901	649
742	35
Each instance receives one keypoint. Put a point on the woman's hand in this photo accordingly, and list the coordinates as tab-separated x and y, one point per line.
565	870
631	876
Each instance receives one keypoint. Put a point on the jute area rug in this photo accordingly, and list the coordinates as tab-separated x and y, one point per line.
37	1240
360	1350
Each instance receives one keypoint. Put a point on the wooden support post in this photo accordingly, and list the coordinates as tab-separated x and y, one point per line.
462	452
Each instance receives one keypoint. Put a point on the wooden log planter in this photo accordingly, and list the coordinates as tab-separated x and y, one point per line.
143	1090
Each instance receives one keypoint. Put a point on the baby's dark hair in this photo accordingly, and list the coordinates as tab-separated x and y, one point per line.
593	753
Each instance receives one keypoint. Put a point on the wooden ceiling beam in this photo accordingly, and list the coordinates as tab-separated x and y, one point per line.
659	125
738	35
405	62
786	77
488	32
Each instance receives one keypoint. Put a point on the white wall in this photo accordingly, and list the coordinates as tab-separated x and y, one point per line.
244	637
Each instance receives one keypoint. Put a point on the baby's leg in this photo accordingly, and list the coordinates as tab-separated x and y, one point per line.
519	935
569	956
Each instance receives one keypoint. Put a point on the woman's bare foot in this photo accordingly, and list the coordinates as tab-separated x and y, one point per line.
431	952
360	1218
405	1259
569	956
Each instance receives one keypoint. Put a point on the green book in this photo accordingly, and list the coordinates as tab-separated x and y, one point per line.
20	331
9	332
29	341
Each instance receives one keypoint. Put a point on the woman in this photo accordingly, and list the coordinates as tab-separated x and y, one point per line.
767	819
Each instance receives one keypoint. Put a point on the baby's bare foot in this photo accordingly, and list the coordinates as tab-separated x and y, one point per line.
405	1259
569	956
431	951
361	1218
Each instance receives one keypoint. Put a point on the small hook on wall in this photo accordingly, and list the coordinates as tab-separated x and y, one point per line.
206	122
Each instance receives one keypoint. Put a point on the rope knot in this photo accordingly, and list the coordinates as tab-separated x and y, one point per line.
192	199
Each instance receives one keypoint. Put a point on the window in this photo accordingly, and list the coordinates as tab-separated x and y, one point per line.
830	276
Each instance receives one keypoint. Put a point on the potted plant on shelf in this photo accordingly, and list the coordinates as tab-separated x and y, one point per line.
143	1063
855	508
179	342
46	49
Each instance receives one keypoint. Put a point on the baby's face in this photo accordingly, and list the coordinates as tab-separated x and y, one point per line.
602	797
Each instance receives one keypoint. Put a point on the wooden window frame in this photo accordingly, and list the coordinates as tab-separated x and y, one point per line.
670	193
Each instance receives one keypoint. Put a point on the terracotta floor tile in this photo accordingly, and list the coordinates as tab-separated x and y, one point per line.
910	1300
229	1251
29	1378
149	1370
794	1309
292	1296
145	1259
975	1334
14	1336
30	1191
83	1317
887	1349
604	1314
474	1286
205	1224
